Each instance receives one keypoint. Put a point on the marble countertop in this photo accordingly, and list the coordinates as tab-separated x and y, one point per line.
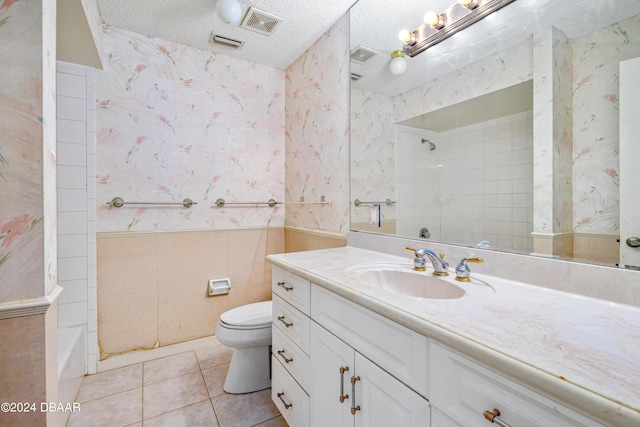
580	351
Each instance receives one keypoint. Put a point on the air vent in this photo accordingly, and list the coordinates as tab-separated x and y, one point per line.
355	77
228	41
260	21
362	54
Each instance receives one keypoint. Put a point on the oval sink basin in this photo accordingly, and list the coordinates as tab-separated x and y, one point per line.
415	284
402	279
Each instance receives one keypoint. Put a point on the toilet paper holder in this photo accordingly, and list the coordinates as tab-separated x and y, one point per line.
219	286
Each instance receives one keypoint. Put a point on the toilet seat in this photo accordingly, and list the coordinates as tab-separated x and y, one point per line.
250	316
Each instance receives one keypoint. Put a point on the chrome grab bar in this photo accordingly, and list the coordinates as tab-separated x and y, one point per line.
222	203
387	202
118	202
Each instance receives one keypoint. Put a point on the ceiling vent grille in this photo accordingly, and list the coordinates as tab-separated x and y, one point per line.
225	40
362	54
260	21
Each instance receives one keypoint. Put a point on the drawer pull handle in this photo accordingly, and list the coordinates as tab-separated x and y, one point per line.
354	408
343	396
493	417
286	288
281	353
286	405
287	324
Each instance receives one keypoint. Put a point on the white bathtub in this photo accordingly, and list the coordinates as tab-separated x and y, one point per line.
70	366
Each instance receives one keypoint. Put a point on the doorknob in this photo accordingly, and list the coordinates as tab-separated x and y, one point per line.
633	242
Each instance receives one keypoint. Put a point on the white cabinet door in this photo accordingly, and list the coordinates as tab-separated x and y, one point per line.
384	401
328	356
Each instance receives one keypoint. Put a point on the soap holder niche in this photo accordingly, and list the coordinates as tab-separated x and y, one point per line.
219	286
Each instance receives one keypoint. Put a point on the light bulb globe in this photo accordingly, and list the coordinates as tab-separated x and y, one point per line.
405	36
230	11
398	65
431	18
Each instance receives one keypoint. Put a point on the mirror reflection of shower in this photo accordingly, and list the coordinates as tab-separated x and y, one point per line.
432	146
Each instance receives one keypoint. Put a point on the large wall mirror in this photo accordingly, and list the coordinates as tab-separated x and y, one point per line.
509	135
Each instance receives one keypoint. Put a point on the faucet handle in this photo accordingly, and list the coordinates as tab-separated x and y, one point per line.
419	262
418	252
463	272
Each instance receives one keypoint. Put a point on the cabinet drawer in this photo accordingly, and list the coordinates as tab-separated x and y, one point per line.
463	390
292	358
285	391
402	352
291	288
294	324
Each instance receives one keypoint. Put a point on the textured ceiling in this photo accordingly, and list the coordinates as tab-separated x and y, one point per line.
375	26
190	22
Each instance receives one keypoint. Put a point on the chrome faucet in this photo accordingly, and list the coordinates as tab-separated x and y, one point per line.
463	272
440	266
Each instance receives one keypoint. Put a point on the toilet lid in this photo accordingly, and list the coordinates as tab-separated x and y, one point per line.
256	314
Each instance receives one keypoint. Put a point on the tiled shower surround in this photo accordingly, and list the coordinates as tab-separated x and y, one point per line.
476	185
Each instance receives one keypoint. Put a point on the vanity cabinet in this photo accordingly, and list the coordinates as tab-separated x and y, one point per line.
464	390
290	346
336	363
347	389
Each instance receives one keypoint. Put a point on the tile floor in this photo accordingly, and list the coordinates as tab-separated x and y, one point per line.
180	390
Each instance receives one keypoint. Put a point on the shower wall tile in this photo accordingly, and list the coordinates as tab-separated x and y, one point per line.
76	188
463	192
71	131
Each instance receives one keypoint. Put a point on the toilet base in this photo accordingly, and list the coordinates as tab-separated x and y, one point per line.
249	371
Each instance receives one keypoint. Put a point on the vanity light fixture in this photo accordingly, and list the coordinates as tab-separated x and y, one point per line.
398	64
434	20
440	26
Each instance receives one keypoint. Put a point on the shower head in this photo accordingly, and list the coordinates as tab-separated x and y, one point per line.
432	146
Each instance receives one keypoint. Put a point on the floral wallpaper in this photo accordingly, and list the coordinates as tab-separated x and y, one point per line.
27	149
373	157
317	133
175	122
595	124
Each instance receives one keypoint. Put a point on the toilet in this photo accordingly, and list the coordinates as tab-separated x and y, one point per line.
247	329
